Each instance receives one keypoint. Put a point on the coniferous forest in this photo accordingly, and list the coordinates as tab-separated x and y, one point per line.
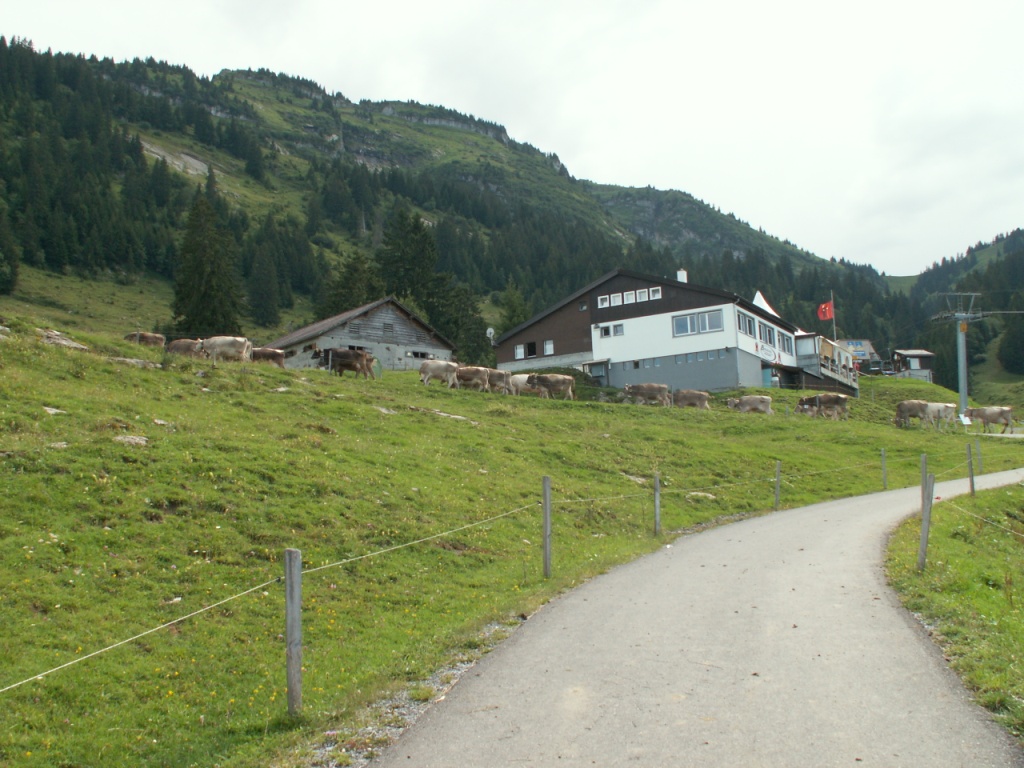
248	189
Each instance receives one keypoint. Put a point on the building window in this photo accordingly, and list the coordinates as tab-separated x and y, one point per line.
618	329
766	333
641	295
699	322
746	324
647	363
549	347
786	343
700	357
606	331
680	359
520	351
602	302
629	297
421	355
583	305
636	365
655	293
657	362
690	357
616	299
711	354
531	349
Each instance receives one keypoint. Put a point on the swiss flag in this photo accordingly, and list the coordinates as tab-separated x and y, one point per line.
826	311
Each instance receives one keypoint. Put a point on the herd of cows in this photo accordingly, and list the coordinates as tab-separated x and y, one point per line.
832	405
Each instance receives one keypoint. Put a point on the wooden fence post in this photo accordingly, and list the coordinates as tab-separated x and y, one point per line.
927	493
657	504
547	527
885	471
970	468
293	627
778	483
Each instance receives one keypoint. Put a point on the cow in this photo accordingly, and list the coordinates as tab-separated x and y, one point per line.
227	348
992	414
473	377
146	339
518	385
499	381
939	414
751	404
909	409
831	404
655	394
439	369
339	360
552	384
691	398
187	347
268	355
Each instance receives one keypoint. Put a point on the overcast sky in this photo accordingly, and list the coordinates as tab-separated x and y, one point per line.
886	133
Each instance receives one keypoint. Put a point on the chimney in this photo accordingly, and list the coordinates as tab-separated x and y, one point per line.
681	275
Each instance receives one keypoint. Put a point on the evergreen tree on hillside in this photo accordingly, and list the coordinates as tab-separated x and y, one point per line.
514	309
409	256
207	301
1011	346
356	284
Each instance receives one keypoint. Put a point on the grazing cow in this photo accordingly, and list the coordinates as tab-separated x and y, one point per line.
831	404
268	355
751	404
654	394
473	377
439	369
146	339
227	348
518	385
499	381
691	398
940	412
551	384
339	360
187	347
992	414
909	409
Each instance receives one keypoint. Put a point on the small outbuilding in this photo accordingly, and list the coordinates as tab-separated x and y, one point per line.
385	328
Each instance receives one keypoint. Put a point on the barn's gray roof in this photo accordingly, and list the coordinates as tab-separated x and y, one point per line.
319	328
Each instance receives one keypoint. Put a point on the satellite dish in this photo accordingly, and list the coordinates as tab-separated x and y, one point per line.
490	333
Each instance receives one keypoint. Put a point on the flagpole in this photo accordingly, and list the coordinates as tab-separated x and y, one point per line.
832	301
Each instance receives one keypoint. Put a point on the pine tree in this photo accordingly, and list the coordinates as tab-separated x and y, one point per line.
264	298
207	300
356	284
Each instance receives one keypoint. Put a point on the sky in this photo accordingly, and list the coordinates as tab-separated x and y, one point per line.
884	133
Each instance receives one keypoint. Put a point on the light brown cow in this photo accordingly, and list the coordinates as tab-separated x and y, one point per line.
473	377
146	339
691	398
499	381
187	347
268	355
227	348
909	409
655	394
992	414
552	384
518	383
751	404
439	369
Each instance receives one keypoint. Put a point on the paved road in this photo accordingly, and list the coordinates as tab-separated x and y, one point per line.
770	642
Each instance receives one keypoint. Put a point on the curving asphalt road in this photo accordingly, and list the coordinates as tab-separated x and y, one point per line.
770	642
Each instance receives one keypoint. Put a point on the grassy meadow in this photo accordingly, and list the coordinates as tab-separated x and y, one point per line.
146	511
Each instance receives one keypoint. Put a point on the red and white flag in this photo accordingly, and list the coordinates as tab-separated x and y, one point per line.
826	311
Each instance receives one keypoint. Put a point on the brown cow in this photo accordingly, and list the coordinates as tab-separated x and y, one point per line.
552	384
499	381
187	347
648	393
691	398
146	339
910	409
751	404
439	369
992	414
227	348
473	377
268	355
831	404
518	383
339	360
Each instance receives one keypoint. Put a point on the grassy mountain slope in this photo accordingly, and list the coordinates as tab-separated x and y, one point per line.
104	539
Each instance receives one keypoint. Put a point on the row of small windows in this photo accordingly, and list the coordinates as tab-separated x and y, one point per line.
764	332
698	322
689	357
529	349
626	297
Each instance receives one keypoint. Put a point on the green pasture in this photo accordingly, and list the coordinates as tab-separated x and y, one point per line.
141	594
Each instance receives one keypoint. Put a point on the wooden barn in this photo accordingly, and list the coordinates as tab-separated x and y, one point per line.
393	334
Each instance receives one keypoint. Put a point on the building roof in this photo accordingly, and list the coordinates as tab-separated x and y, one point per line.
319	328
913	352
726	296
